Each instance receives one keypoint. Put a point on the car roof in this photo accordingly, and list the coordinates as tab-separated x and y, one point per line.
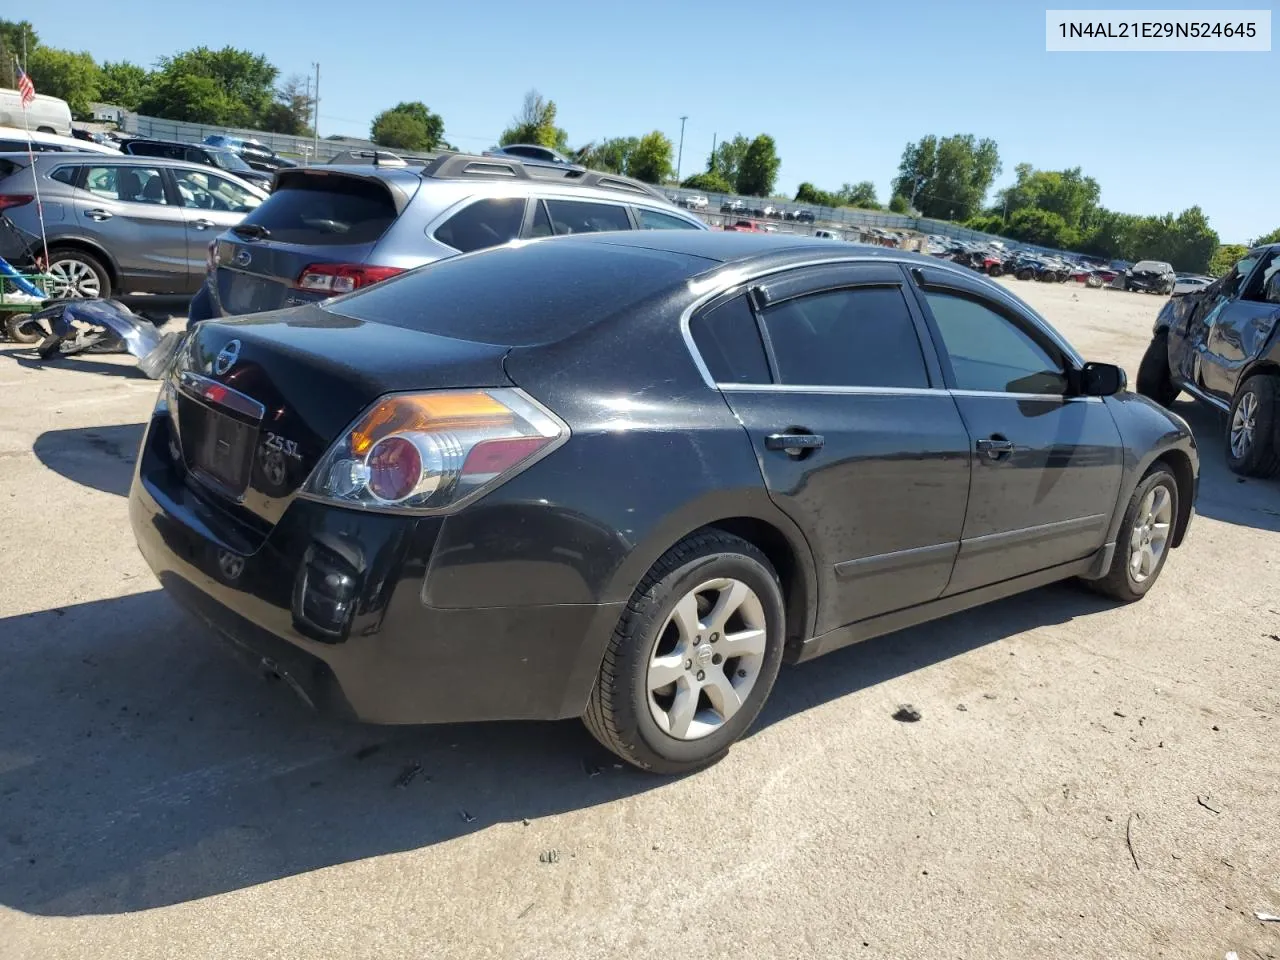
734	247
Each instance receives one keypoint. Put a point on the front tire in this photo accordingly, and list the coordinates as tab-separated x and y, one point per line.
1155	379
19	328
1146	537
1252	429
693	657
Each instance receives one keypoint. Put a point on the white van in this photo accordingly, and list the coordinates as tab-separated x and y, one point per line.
827	235
14	140
45	115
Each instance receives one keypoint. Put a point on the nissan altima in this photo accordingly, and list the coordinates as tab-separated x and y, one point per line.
624	477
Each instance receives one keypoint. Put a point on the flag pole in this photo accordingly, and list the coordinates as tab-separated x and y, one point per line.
35	179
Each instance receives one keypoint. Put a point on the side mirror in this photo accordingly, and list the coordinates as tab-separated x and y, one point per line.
1102	379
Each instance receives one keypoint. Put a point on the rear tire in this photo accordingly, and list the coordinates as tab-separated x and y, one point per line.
1252	428
1155	380
667	630
80	275
1145	539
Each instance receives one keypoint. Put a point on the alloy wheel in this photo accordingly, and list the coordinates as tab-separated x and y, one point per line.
71	278
706	659
1242	425
1150	535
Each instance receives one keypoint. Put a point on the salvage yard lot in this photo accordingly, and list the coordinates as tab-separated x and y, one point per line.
1087	779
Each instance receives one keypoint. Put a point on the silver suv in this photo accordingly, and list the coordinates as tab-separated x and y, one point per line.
327	230
118	224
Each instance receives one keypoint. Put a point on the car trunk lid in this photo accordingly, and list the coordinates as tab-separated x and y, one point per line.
259	400
313	217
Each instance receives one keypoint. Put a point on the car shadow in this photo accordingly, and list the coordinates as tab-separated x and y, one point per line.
1224	496
24	355
97	457
144	767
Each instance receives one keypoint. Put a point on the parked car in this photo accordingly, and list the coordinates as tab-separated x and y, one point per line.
743	226
15	140
124	224
1219	344
253	152
696	202
441	498
330	231
220	157
532	153
733	206
1150	276
828	235
1189	283
804	216
45	114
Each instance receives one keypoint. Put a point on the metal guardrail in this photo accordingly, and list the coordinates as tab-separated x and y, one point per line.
281	143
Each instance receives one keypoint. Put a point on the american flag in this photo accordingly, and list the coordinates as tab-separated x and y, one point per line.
26	89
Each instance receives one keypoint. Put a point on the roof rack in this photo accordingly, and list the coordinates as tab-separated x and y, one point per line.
460	166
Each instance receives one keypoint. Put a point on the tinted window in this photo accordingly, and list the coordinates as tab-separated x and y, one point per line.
1261	288
541	222
65	175
521	295
486	223
729	342
653	220
862	337
576	216
208	191
990	352
326	211
20	146
129	184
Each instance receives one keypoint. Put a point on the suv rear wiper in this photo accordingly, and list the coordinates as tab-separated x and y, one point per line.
251	231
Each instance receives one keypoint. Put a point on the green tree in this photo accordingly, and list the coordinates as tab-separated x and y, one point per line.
1272	237
12	34
709	182
1225	257
726	159
759	170
947	178
861	195
808	193
1068	193
536	123
123	84
653	159
408	126
74	77
612	155
987	223
899	204
291	112
240	88
1042	227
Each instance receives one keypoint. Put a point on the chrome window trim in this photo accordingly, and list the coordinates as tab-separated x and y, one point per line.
725	277
821	388
199	388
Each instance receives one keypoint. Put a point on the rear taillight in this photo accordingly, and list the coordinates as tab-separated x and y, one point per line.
433	452
342	277
211	257
8	200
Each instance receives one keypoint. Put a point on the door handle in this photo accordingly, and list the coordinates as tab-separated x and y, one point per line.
98	214
202	224
996	448
795	444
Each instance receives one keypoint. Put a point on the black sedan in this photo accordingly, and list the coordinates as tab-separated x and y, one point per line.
625	476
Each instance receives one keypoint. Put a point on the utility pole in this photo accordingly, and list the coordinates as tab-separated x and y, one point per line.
315	127
712	165
680	154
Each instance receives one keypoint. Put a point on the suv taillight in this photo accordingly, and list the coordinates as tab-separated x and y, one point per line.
342	277
8	200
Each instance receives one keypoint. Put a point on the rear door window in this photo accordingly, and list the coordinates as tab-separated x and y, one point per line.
653	220
127	184
579	216
326	211
65	175
485	223
728	340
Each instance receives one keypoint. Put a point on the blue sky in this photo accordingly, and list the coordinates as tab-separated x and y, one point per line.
841	86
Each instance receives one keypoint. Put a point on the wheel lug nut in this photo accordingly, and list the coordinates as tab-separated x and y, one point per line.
715	637
702	675
716	659
688	664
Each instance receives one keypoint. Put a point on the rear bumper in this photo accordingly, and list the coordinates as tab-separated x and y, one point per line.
377	652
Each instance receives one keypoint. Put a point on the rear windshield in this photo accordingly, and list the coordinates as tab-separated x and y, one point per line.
1152	266
521	295
326	211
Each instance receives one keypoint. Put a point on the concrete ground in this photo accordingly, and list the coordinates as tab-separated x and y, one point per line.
1088	780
